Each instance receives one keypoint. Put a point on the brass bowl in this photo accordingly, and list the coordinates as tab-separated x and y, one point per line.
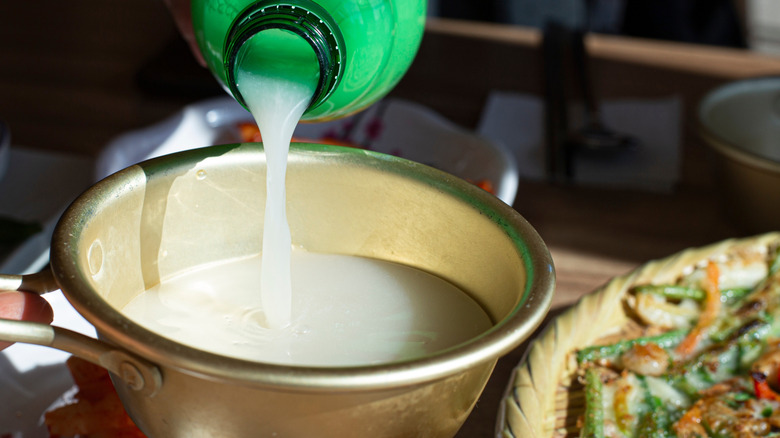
158	217
740	121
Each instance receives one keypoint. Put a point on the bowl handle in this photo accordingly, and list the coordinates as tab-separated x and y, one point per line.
137	373
39	283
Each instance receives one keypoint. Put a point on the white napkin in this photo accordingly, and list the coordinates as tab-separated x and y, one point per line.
517	121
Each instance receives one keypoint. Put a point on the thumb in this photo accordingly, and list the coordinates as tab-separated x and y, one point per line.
24	306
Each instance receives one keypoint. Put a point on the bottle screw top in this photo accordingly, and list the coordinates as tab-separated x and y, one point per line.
302	17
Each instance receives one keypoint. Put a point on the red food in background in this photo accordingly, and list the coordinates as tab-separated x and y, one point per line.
95	412
250	133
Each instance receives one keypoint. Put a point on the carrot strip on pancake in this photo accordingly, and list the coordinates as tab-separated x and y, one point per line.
708	315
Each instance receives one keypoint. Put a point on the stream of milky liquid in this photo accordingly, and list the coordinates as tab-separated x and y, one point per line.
277	104
348	310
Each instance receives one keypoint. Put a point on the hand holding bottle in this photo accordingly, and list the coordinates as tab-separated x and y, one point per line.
24	306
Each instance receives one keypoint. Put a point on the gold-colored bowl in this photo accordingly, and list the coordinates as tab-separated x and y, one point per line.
156	218
740	121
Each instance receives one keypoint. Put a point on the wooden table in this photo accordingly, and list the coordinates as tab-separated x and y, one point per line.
75	74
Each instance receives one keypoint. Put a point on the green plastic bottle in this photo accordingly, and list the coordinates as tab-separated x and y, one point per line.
356	49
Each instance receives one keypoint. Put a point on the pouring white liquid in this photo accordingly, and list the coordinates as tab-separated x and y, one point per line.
326	310
346	311
277	101
277	106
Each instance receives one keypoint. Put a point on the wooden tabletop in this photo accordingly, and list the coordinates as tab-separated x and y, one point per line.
76	74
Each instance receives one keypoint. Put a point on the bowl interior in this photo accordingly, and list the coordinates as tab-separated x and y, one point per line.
155	219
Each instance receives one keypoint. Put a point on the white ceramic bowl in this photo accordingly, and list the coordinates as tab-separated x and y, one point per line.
392	126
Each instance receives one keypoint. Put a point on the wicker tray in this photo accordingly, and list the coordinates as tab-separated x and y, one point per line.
541	399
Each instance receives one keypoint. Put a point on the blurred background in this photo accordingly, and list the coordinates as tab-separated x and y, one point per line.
735	23
76	75
48	47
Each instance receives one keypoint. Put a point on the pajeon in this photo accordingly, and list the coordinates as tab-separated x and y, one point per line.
687	346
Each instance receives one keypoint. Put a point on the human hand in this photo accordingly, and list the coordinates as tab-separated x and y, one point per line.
26	307
182	16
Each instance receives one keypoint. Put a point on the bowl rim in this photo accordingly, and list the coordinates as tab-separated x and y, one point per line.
500	339
724	146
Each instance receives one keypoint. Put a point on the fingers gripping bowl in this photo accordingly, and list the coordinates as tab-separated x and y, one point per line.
182	210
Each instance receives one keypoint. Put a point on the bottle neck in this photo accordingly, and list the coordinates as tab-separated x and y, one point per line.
304	18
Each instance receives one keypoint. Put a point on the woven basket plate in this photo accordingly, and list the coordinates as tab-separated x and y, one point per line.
541	399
